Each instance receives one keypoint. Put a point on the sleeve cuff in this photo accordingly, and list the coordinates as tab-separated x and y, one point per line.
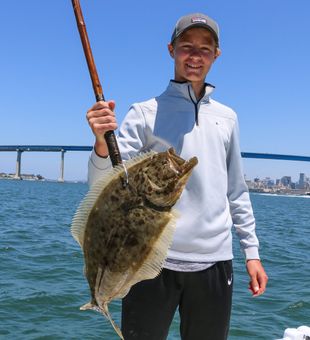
251	253
100	163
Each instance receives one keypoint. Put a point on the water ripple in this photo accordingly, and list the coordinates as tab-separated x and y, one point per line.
42	284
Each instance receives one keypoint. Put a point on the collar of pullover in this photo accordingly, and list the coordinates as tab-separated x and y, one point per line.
186	90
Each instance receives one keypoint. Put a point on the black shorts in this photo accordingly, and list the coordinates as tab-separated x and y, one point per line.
203	298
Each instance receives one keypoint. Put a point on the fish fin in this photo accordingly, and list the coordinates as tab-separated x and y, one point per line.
90	306
80	218
111	283
139	158
105	311
152	266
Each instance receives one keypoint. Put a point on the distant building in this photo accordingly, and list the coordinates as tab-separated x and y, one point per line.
30	177
268	182
249	183
302	181
286	181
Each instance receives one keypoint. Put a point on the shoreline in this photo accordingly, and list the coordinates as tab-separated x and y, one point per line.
27	179
281	192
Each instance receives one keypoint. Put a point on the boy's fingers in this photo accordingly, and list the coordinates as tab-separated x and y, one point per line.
111	105
254	286
103	105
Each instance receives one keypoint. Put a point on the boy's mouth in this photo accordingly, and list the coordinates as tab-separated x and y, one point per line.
195	67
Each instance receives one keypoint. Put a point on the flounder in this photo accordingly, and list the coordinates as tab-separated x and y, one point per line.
125	230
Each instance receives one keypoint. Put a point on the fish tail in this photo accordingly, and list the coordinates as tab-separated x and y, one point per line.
106	313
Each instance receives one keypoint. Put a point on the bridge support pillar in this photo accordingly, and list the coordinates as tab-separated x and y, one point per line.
18	164
62	167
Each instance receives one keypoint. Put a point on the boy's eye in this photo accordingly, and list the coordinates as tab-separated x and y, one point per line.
201	48
207	47
187	46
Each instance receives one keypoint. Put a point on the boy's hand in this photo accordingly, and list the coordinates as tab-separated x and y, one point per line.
101	118
258	277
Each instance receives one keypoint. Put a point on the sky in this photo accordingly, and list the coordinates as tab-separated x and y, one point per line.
45	89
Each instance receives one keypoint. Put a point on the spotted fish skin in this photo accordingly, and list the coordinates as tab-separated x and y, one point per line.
125	231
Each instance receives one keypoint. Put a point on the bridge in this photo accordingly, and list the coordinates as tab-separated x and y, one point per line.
64	148
42	148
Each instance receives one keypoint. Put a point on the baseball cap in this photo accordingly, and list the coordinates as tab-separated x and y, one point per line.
195	20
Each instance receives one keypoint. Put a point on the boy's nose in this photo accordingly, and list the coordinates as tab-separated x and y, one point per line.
195	52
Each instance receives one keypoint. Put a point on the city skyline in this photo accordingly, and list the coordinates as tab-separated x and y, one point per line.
306	178
303	181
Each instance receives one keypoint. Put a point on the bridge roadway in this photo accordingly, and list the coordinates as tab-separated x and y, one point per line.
44	148
64	148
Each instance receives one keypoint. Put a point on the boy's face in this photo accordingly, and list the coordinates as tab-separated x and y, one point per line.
194	53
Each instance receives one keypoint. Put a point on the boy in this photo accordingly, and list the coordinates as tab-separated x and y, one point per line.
197	275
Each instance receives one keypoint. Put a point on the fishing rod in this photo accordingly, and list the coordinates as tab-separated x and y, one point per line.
109	136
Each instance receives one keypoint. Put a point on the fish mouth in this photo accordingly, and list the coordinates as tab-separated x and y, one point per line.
189	166
182	168
179	172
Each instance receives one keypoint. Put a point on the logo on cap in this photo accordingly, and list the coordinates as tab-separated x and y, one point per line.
198	19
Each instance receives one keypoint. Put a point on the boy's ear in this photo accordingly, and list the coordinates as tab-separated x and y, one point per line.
171	50
217	53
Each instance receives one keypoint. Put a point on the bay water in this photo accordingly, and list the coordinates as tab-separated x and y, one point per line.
42	284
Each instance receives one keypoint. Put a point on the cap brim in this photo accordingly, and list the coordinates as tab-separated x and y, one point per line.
193	26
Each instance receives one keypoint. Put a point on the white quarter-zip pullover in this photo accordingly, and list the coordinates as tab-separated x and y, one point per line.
216	196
